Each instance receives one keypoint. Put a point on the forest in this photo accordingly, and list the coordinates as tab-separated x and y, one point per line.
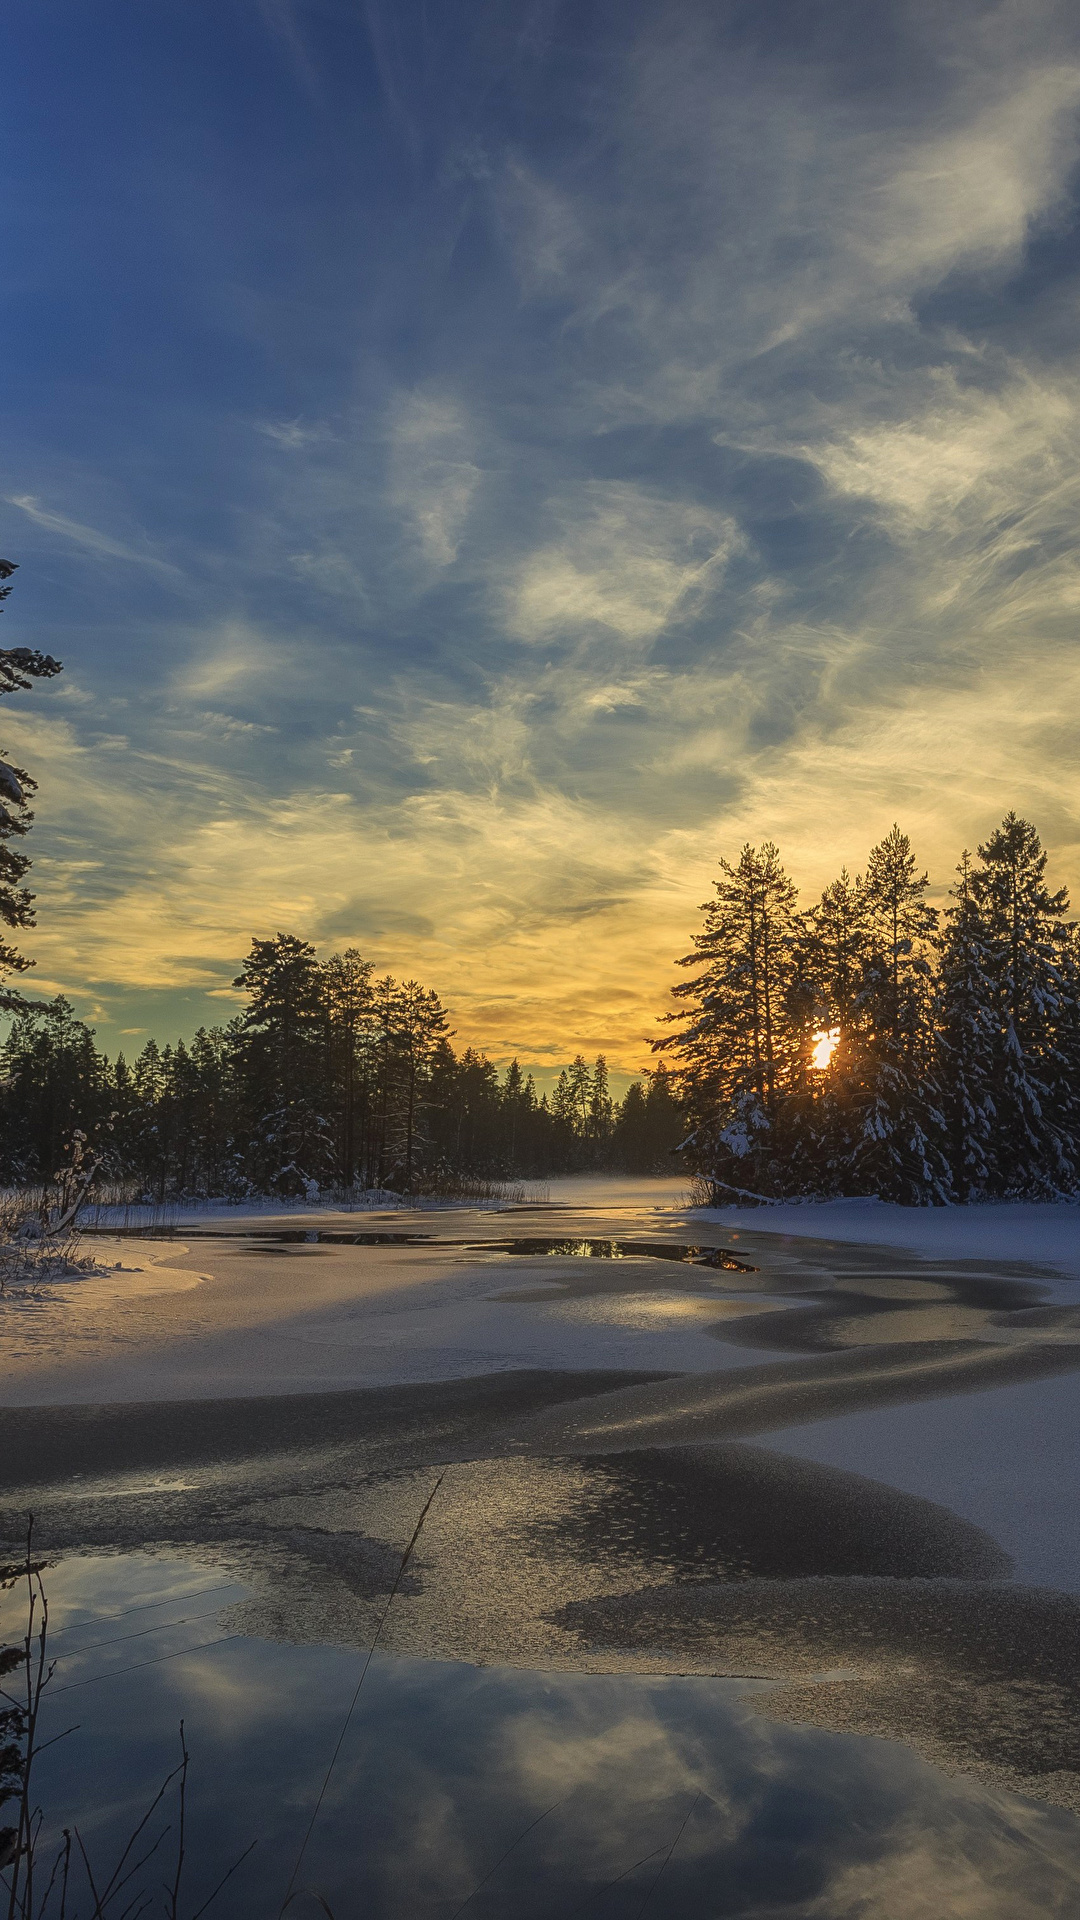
331	1079
872	1044
868	1044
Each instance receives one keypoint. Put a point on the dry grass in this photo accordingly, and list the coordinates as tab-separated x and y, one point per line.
37	1246
468	1187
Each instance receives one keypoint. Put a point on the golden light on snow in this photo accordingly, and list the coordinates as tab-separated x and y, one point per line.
825	1044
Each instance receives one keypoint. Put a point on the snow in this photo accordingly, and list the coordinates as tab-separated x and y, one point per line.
1007	1459
169	1214
1044	1233
318	1317
9	784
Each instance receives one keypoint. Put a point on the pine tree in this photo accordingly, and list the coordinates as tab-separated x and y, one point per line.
283	1061
351	1036
18	667
738	1041
419	1029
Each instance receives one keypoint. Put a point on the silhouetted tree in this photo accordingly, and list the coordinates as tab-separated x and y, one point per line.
737	1040
968	1030
18	667
282	1063
1026	941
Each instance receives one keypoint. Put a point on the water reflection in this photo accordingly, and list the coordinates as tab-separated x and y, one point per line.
573	1248
514	1792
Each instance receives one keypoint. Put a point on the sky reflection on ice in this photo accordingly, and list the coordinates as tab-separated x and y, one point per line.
445	1766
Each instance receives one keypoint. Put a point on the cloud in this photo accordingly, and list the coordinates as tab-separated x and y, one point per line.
679	445
962	452
625	559
431	478
233	655
292	435
966	193
87	537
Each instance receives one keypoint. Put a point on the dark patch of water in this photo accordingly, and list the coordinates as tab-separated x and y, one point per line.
518	1792
574	1249
565	1249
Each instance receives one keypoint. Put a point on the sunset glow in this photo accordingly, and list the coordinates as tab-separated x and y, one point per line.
456	536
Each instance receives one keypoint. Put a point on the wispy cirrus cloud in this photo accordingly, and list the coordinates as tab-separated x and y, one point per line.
625	559
585	448
89	538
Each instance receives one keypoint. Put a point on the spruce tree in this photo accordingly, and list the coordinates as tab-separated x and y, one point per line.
563	1128
834	948
1065	1032
649	1125
1027	942
518	1103
898	1135
601	1110
580	1088
901	928
968	1026
52	1080
216	1159
832	951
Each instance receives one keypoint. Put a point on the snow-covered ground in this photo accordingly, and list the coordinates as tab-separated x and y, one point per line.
1007	1458
232	1318
1046	1234
167	1214
1025	1231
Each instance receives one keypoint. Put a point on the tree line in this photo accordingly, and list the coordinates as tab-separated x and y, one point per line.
870	1044
331	1078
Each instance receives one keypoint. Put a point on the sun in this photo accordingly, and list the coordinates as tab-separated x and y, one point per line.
825	1045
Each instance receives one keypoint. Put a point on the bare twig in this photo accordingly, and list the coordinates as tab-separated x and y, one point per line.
405	1558
470	1897
174	1893
228	1876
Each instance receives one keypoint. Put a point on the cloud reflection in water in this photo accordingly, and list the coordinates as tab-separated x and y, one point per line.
445	1766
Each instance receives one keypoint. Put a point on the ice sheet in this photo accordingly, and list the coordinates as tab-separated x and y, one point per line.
1007	1459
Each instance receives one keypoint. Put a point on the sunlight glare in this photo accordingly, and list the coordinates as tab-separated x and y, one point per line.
825	1044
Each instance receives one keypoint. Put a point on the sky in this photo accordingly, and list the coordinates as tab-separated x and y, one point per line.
480	461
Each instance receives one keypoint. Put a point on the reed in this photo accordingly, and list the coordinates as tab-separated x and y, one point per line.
127	1891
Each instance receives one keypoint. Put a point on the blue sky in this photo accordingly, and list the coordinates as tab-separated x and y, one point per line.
479	463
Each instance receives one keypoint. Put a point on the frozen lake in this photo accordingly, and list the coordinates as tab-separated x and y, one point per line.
758	1546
